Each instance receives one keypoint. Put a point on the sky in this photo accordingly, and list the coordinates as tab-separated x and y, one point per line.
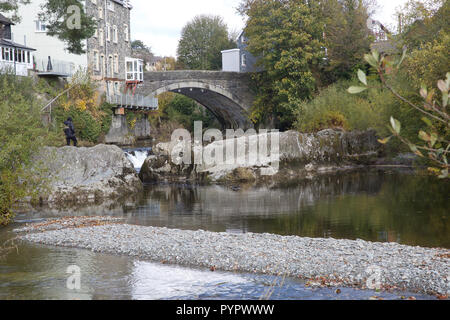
159	23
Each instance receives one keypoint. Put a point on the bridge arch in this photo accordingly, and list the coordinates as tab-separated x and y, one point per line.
226	95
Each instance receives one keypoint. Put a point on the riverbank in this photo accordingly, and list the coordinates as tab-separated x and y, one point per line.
320	261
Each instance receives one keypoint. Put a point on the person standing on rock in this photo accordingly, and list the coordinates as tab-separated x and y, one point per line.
69	131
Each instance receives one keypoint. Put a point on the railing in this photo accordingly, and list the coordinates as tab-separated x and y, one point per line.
58	66
133	102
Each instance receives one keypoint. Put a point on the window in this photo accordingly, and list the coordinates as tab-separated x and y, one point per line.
127	33
115	35
40	26
116	63
103	63
101	38
135	69
110	5
244	60
96	33
111	65
108	32
100	12
96	61
28	57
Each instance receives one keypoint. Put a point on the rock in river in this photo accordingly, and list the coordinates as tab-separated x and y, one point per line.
87	174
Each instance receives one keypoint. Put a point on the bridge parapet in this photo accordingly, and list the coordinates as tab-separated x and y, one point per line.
227	94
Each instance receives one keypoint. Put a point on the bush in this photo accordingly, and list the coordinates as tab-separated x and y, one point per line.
333	107
21	135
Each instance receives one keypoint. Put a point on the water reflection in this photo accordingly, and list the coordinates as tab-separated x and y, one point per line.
371	205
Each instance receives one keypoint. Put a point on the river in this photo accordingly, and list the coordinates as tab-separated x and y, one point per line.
375	205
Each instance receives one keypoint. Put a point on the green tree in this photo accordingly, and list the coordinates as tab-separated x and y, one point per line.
21	135
201	43
288	38
346	36
141	51
65	19
68	21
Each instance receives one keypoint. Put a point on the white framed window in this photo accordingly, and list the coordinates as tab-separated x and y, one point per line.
127	33
108	32
115	35
116	63
135	69
40	26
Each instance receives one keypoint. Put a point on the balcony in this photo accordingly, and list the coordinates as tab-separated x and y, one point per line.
136	102
56	68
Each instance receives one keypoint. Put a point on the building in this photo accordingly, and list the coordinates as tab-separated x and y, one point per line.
15	58
239	59
108	52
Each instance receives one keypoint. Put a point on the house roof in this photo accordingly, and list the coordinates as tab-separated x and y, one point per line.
5	20
9	43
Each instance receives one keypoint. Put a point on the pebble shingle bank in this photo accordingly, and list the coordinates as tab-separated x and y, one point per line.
323	261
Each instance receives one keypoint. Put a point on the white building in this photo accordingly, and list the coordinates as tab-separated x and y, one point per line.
31	32
108	52
14	57
231	60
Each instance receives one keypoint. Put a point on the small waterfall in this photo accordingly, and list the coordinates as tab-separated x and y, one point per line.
137	156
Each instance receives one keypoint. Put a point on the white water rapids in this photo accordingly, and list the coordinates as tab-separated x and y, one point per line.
137	156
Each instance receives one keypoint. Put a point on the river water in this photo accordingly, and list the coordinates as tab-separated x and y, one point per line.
375	205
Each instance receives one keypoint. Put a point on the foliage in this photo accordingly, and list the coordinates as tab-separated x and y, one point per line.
434	107
334	108
201	43
141	51
62	23
430	62
11	7
81	102
182	110
287	38
422	21
21	135
346	37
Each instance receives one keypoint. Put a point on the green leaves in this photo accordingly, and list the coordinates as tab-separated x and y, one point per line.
355	90
396	125
362	77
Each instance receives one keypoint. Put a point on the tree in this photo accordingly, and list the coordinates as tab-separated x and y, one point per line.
346	36
65	19
68	21
288	37
12	7
201	43
141	51
433	108
22	133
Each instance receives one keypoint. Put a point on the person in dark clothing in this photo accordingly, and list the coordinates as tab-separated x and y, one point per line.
69	131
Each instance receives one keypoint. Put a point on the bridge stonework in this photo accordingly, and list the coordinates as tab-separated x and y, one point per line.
227	95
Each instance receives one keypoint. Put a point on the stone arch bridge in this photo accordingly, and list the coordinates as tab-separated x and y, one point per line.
228	95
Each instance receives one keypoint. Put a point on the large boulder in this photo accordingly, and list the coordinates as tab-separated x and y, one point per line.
87	174
303	152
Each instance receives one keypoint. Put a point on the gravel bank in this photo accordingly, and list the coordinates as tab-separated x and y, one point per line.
322	261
